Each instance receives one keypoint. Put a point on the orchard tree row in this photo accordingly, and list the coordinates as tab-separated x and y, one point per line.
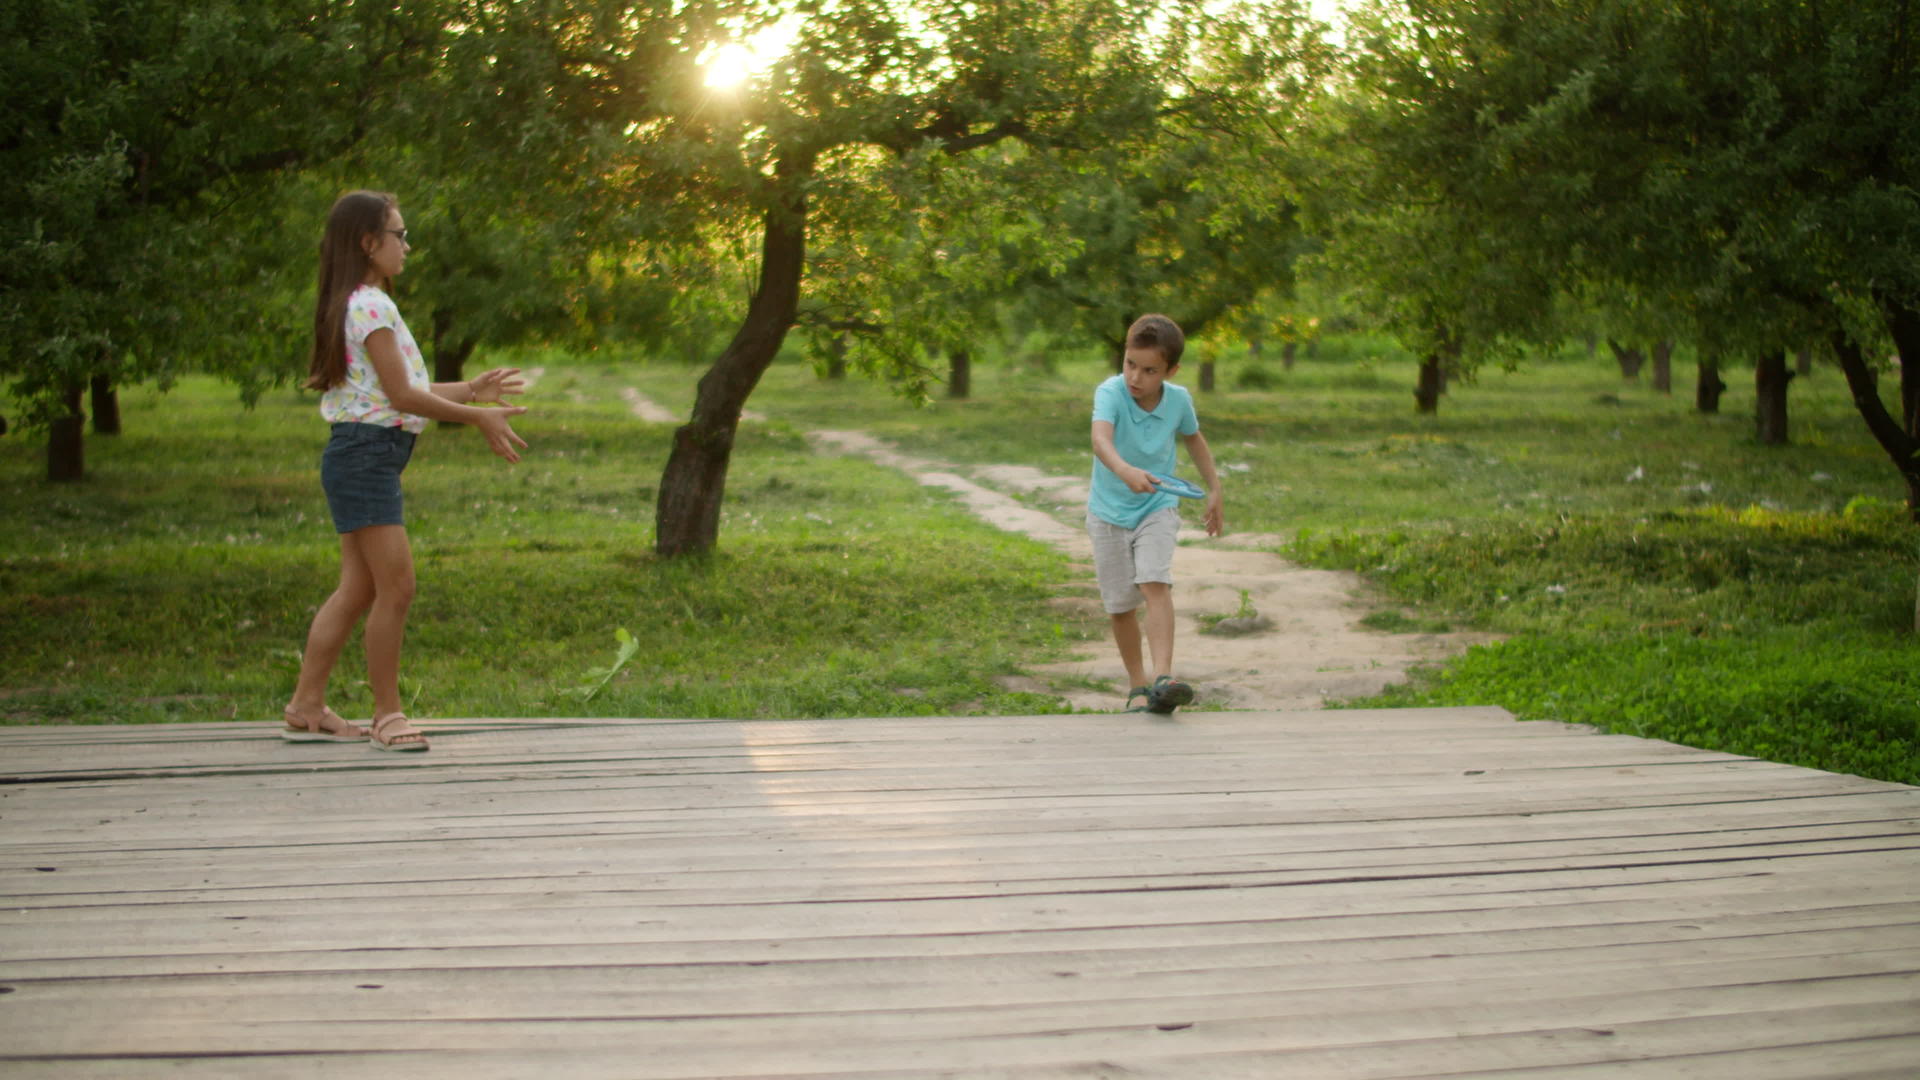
1480	176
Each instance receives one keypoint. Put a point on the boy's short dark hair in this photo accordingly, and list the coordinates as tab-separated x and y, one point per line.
1158	332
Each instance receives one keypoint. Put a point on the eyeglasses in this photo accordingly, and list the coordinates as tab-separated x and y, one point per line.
401	233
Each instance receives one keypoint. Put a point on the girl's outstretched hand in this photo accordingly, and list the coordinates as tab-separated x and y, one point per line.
493	385
499	432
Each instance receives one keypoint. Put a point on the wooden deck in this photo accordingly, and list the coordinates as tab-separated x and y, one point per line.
1410	893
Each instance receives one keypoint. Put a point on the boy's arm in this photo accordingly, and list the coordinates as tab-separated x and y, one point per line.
1136	479
1202	456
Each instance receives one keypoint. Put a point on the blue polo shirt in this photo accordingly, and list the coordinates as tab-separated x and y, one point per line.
1145	440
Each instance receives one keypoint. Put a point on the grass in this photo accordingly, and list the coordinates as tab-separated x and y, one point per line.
178	581
1659	571
1656	571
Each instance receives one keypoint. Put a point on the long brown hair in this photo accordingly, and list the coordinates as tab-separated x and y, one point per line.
343	268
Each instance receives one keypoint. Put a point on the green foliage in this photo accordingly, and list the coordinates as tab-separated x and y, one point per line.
597	678
1246	610
147	147
1256	377
1738	172
1399	622
1780	634
1710	571
1194	216
1842	701
509	157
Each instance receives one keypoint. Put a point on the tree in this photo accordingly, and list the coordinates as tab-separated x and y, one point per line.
1751	162
1196	216
508	153
912	274
143	144
867	94
1424	263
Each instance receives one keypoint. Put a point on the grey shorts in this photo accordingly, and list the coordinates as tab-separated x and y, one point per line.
1124	558
360	472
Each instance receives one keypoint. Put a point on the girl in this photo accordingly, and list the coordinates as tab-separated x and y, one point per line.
377	398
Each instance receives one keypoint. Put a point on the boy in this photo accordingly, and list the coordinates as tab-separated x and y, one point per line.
1136	416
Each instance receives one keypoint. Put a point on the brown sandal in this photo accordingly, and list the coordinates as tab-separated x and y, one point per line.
393	732
326	727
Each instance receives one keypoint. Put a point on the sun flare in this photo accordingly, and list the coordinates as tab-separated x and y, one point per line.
729	66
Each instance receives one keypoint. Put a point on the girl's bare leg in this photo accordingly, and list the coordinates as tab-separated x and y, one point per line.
332	624
389	562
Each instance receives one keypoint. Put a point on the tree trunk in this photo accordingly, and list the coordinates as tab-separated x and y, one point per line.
106	406
1904	323
1629	359
67	441
450	354
1770	378
1901	445
1803	362
1206	376
837	358
1427	394
1663	366
1287	352
1593	345
1708	388
959	374
1909	394
450	360
1313	350
687	516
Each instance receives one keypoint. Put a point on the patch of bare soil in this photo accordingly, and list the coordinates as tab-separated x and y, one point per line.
1312	648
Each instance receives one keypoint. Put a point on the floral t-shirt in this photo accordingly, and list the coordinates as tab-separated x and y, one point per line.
359	398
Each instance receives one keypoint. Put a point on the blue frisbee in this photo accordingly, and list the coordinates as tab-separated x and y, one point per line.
1173	485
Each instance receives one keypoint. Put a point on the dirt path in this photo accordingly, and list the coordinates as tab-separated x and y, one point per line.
1313	650
653	412
646	408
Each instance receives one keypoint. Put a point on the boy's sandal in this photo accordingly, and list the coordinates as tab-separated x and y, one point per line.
1138	692
393	732
1167	694
324	726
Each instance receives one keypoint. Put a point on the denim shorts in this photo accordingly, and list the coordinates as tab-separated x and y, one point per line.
360	472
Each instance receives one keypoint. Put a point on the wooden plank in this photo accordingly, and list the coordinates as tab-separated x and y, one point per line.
900	875
85	751
1677	799
634	869
1332	940
1384	893
1861	1060
559	916
862	984
1400	1030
